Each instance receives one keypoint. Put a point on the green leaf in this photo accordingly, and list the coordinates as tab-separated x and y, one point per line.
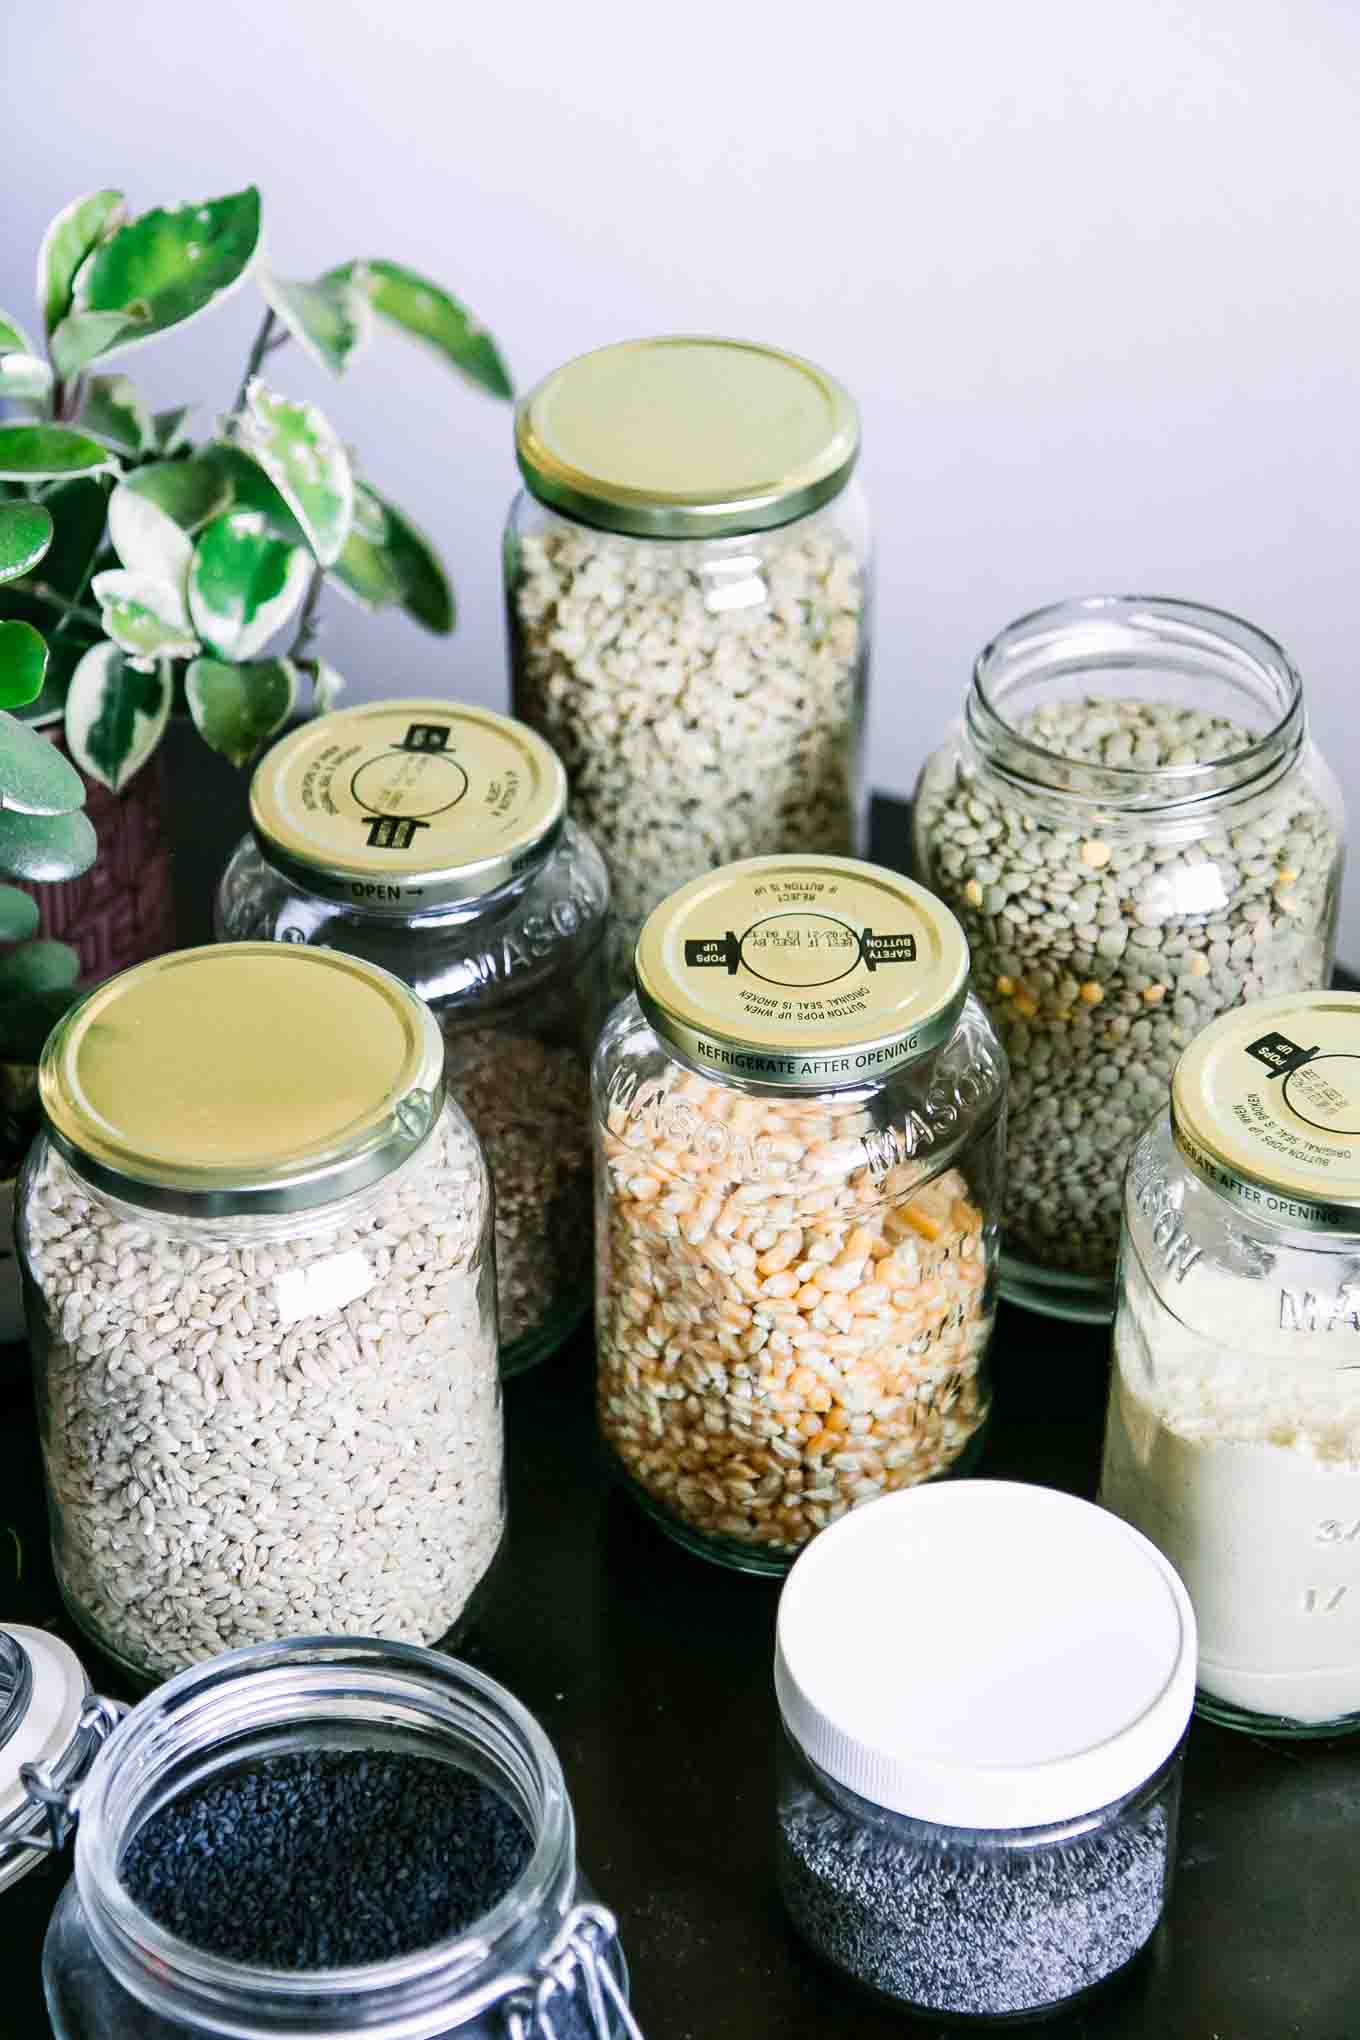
26	1023
144	616
170	433
146	540
83	336
25	378
116	411
306	463
115	715
327	686
38	967
34	777
190	492
19	915
406	299
331	318
48	453
243	584
76	230
23	663
251	489
25	535
175	261
387	561
238	708
13	339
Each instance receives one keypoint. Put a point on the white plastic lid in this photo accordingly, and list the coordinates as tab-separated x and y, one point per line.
43	1734
985	1654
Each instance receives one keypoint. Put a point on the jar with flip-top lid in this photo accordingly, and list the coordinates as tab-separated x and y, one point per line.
800	1125
256	1245
1137	833
433	839
1233	1435
688	584
250	1859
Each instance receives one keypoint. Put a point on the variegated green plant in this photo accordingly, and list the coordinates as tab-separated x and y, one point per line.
150	572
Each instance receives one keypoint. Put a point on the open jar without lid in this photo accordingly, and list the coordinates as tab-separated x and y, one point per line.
432	838
1233	1435
1137	833
799	1125
543	1963
984	1689
688	588
255	1237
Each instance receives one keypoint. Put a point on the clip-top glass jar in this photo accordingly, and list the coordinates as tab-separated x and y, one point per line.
688	586
1233	1437
984	1691
800	1124
1136	833
542	1964
432	838
256	1244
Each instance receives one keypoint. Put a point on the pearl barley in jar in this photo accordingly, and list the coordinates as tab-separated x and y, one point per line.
800	1130
258	1272
1136	834
688	601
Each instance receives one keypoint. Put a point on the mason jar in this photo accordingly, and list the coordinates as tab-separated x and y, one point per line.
432	838
259	1278
688	589
1137	833
800	1126
543	1963
983	1692
1233	1436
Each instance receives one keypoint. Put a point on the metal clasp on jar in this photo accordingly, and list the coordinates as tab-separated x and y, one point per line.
51	1789
580	1954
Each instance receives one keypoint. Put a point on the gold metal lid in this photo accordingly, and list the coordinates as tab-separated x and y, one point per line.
802	973
245	1077
687	437
405	805
1265	1106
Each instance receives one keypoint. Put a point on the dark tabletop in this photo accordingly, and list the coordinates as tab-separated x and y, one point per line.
651	1671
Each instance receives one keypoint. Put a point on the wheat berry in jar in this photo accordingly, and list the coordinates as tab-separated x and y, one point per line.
688	582
1137	834
799	1123
433	839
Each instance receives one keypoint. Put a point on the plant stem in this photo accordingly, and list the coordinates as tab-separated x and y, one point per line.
306	628
40	592
257	355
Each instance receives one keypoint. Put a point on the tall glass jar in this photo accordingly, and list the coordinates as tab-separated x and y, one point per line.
1233	1438
800	1124
1136	833
256	1245
688	587
432	838
543	1964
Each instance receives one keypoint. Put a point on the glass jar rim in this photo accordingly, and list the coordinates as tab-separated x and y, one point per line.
1199	635
263	1686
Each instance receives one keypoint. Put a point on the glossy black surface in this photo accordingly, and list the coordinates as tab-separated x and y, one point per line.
651	1672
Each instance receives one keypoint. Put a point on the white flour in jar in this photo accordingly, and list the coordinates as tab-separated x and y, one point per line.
1241	1461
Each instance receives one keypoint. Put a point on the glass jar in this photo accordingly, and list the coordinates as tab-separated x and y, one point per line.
800	1125
976	1813
1233	1437
543	1964
688	588
261	1299
432	839
1136	833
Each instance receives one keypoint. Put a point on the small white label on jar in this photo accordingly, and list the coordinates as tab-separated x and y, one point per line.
323	1287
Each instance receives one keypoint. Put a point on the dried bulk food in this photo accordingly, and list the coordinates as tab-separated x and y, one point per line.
431	838
258	1247
688	604
1124	869
230	1461
796	1260
974	1817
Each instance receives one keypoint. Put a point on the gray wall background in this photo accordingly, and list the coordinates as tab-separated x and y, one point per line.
1092	270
